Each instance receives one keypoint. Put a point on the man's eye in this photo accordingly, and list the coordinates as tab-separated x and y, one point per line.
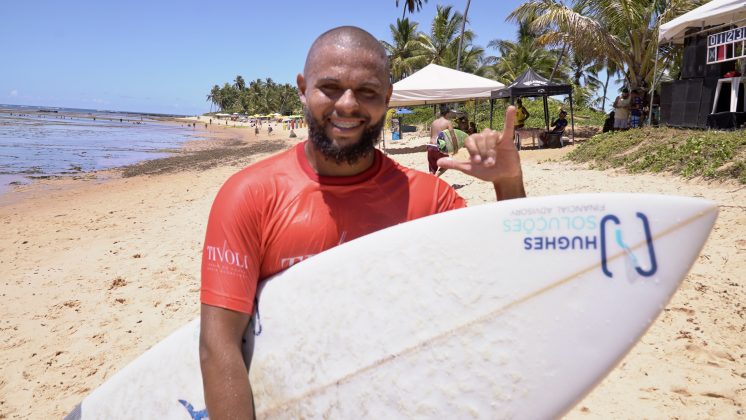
368	93
329	90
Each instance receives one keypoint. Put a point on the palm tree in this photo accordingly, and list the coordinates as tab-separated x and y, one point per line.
584	70
214	96
255	92
411	5
406	53
287	99
239	83
270	97
472	60
228	97
518	56
624	32
461	38
442	40
611	70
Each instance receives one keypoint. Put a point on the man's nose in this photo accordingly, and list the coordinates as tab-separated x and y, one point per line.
347	102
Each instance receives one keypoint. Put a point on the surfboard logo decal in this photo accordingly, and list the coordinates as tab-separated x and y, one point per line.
610	218
195	415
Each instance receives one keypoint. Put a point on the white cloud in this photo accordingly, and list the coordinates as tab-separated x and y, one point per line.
13	93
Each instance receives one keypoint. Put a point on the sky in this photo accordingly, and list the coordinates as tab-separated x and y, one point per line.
164	56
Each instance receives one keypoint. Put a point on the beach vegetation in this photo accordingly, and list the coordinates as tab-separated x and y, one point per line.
405	52
410	6
688	153
619	32
515	57
441	44
257	97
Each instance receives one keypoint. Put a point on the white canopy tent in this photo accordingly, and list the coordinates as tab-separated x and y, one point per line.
435	84
716	12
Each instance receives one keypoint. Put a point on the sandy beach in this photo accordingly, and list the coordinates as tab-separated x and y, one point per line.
99	269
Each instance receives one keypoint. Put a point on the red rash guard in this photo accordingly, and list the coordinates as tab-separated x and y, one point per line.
278	212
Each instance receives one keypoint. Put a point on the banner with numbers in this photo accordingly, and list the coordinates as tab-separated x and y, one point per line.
726	46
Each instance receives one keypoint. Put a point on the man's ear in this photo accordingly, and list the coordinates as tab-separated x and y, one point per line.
301	81
388	94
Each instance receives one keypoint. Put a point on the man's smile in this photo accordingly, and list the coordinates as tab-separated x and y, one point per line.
346	123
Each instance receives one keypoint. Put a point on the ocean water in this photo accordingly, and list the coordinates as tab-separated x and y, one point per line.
71	142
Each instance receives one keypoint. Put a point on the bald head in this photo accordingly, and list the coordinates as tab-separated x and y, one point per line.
353	42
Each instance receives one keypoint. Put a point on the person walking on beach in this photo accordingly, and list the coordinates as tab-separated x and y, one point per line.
334	187
441	124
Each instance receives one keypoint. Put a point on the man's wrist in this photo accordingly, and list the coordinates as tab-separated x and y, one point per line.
509	188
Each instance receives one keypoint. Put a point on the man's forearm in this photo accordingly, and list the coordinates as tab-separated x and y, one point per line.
227	389
510	188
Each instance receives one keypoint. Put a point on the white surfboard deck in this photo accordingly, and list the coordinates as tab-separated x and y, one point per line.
508	310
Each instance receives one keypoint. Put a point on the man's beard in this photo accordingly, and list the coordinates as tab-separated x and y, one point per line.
350	154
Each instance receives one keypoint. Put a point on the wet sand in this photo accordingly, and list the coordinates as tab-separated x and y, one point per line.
97	270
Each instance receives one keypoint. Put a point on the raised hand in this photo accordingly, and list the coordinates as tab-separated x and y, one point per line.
493	156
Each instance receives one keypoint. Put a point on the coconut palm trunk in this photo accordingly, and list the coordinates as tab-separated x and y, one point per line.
461	40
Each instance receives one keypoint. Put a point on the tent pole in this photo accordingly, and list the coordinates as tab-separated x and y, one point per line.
492	108
546	112
572	119
475	112
652	87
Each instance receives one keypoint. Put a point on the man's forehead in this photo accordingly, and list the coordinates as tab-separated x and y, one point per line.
336	60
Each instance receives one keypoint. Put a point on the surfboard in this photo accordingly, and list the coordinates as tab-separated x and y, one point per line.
445	141
514	309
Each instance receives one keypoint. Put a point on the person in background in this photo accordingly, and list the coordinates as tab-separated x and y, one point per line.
608	123
442	123
621	110
656	110
635	108
558	127
521	114
463	124
472	128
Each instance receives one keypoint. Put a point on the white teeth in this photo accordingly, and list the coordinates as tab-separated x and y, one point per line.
341	124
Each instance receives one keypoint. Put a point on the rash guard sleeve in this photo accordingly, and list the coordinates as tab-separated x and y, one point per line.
232	250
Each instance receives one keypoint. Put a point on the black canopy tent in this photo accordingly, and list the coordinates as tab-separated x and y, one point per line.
530	84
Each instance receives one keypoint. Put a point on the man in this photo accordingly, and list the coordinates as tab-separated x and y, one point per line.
438	126
332	188
635	108
621	110
558	127
521	114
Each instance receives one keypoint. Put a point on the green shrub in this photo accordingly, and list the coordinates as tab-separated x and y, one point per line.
689	153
